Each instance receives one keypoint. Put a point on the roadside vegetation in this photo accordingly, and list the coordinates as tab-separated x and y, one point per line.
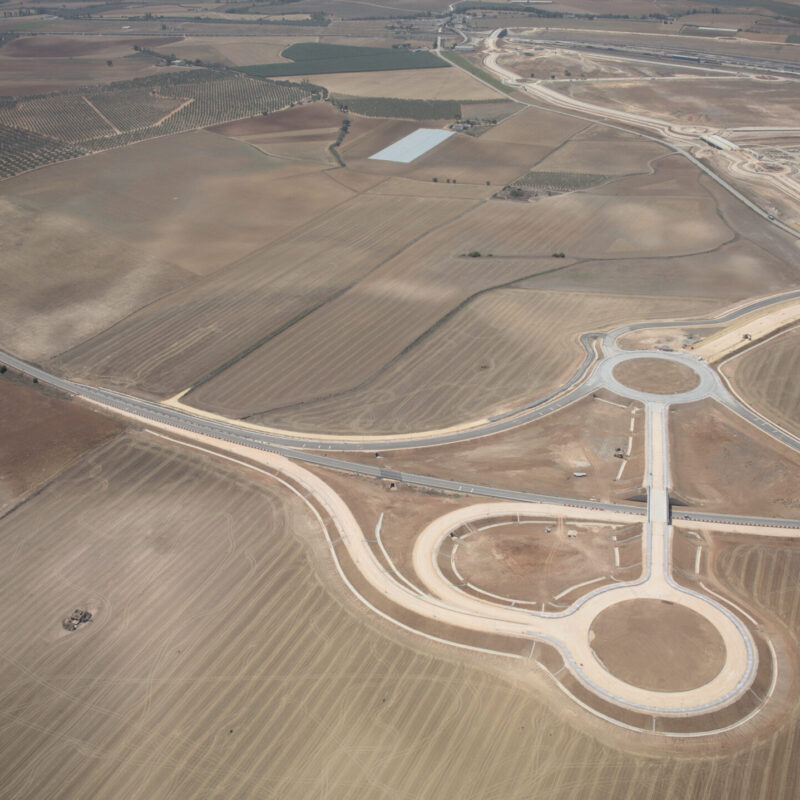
462	62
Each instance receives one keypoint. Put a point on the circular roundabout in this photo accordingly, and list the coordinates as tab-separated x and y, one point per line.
655	377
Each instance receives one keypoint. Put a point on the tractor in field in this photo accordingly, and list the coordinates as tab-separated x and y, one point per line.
78	617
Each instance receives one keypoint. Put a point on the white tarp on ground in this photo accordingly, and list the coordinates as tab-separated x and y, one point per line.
412	146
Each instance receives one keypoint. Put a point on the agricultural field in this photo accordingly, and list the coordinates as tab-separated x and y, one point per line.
168	648
123	113
253	198
387	319
284	281
32	65
406	84
42	433
224	249
473	364
395	107
596	156
22	151
766	378
316	58
65	280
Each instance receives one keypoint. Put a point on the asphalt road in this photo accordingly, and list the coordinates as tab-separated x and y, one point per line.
231	432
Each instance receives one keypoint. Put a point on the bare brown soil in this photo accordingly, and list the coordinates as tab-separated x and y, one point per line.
656	376
64	47
554	64
65	279
656	644
526	562
541	456
299	118
534	126
675	338
722	463
42	432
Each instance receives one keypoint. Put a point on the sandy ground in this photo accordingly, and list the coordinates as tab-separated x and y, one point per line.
747	332
658	645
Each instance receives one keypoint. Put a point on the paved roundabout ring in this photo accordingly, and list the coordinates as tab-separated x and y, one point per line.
708	383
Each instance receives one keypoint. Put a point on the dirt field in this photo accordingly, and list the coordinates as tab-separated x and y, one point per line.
767	378
407	84
217	201
602	157
705	101
657	645
541	457
170	649
300	133
40	434
65	280
730	272
500	351
534	126
40	64
656	376
554	63
526	562
723	464
170	345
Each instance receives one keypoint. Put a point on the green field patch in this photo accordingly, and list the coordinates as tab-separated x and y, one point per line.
560	181
394	107
312	58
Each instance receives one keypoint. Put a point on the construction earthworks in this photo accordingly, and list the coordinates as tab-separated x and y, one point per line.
466	474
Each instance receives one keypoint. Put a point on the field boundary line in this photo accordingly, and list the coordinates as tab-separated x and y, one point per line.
101	114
